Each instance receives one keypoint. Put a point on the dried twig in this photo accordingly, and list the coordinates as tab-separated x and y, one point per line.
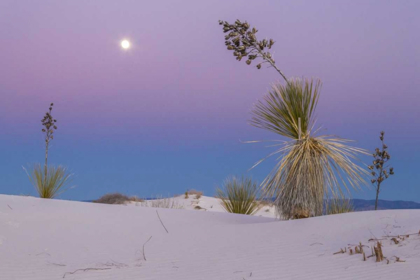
398	259
374	239
378	252
373	253
395	240
341	251
84	269
58	264
161	221
144	255
10	207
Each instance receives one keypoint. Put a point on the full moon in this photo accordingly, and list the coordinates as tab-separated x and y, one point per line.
125	44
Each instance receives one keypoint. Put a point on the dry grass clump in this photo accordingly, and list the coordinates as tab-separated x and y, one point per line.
197	194
239	196
113	198
135	199
301	213
376	248
162	203
338	206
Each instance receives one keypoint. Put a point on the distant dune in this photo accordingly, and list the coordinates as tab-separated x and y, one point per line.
364	205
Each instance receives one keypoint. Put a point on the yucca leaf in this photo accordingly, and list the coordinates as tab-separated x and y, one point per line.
51	184
309	166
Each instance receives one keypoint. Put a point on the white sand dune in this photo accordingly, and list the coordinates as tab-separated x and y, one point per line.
53	239
210	204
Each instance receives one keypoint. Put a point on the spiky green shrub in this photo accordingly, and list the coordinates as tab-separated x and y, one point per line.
310	165
51	183
239	196
338	206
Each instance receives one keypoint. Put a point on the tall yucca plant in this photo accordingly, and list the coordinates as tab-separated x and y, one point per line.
310	166
239	196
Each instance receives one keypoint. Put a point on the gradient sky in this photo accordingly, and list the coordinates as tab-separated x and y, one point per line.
168	115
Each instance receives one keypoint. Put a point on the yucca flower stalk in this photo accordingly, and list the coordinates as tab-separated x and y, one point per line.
239	196
383	171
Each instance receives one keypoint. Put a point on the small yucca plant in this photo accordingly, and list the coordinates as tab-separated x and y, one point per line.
239	196
338	206
51	183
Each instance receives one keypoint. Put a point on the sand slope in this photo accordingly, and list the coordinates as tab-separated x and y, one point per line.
208	203
47	239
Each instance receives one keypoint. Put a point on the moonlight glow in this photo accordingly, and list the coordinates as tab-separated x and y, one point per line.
125	44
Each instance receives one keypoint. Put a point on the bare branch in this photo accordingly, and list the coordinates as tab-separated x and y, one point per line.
84	269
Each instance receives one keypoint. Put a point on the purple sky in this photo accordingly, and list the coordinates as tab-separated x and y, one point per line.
167	115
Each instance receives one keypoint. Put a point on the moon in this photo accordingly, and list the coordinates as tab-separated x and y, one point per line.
125	44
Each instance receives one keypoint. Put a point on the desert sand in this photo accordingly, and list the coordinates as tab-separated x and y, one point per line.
44	239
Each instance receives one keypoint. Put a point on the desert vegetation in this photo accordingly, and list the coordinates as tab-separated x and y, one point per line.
49	181
161	202
383	171
239	195
116	198
338	206
376	248
196	193
310	165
